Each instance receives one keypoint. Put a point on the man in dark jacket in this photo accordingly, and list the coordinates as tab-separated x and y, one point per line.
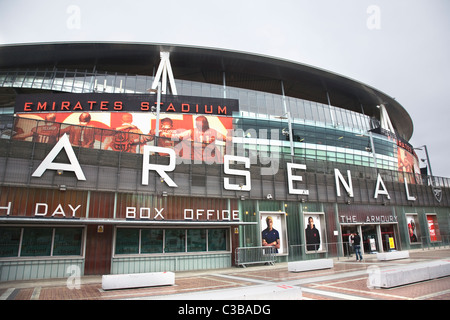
357	245
312	236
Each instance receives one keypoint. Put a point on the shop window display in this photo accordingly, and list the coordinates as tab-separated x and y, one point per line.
314	231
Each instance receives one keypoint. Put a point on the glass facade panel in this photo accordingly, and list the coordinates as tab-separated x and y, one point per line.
152	240
261	104
313	123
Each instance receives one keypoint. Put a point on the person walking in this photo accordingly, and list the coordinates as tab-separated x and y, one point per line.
357	246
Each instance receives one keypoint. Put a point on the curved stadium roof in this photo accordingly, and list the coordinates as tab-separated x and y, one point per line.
243	70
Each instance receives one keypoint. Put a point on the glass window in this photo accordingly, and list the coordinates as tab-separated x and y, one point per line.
152	240
175	240
9	242
314	111
37	242
67	241
217	239
308	111
196	240
127	241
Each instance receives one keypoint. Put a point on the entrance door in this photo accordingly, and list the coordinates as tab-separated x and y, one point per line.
98	250
346	241
388	237
370	238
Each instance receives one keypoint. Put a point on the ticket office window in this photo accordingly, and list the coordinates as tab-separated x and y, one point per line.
170	240
40	241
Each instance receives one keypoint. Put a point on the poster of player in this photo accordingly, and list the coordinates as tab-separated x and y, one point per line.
274	231
413	229
314	231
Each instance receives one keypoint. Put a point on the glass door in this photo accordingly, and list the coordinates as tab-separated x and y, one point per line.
370	238
347	243
388	237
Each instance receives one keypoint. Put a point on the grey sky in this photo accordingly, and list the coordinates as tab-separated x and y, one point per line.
403	49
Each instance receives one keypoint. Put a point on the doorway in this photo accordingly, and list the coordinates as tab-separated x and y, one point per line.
370	238
347	243
98	250
388	237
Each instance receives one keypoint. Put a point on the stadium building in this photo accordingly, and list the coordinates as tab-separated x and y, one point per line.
125	158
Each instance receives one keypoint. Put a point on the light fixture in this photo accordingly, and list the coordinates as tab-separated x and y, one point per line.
59	172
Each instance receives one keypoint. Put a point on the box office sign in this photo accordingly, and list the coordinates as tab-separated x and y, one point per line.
44	209
98	205
111	102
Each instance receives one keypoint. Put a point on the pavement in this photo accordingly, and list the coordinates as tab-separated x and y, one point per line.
347	280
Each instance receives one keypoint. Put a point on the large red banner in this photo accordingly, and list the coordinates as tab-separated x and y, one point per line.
196	137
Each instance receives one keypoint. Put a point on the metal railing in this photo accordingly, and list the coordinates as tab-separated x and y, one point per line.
323	250
442	242
254	255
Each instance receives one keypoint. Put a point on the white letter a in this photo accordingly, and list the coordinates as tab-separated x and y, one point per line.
48	163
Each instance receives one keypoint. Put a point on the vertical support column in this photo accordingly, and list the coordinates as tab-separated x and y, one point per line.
288	115
302	233
374	155
340	247
258	225
164	70
224	85
380	239
359	229
158	110
333	121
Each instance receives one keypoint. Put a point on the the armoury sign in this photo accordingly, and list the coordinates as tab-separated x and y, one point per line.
111	102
